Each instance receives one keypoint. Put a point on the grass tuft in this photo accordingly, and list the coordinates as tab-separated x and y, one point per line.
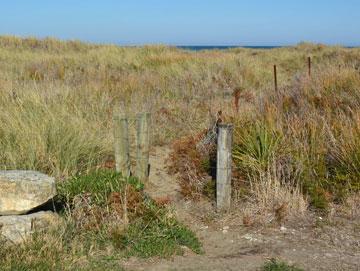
274	265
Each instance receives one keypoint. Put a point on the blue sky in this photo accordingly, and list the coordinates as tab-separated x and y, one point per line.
186	22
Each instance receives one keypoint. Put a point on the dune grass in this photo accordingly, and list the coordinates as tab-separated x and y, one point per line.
294	148
57	98
307	135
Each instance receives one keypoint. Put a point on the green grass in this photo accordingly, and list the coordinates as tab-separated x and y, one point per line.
274	265
97	184
152	231
156	233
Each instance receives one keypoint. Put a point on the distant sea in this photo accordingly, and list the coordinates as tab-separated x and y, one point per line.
220	47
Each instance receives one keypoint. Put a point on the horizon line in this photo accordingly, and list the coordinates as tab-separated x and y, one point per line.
133	44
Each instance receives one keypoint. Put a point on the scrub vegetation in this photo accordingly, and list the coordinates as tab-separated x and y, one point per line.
106	218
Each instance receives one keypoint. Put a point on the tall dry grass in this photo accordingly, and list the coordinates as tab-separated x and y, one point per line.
57	99
308	134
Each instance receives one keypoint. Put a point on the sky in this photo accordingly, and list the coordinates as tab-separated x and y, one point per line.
185	22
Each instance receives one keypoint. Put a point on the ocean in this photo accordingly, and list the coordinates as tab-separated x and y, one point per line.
221	47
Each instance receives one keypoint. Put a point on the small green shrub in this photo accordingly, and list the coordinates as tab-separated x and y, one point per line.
152	230
156	233
318	197
274	265
97	184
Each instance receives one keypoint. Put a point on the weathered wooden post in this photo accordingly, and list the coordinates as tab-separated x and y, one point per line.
143	146
309	66
223	167
275	78
122	152
236	93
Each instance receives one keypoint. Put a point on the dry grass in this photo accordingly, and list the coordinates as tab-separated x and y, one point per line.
57	100
302	140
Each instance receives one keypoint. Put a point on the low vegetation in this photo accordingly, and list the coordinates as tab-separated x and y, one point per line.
107	218
275	265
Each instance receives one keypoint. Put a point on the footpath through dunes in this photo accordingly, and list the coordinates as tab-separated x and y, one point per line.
162	186
229	245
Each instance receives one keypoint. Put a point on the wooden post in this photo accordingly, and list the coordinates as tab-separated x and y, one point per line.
309	66
236	93
143	146
223	167
275	79
122	152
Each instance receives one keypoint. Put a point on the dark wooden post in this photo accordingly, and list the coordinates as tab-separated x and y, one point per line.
275	79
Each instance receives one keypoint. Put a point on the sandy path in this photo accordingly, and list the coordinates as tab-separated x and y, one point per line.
161	184
229	245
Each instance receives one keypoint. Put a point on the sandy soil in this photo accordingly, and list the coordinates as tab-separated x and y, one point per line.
313	243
